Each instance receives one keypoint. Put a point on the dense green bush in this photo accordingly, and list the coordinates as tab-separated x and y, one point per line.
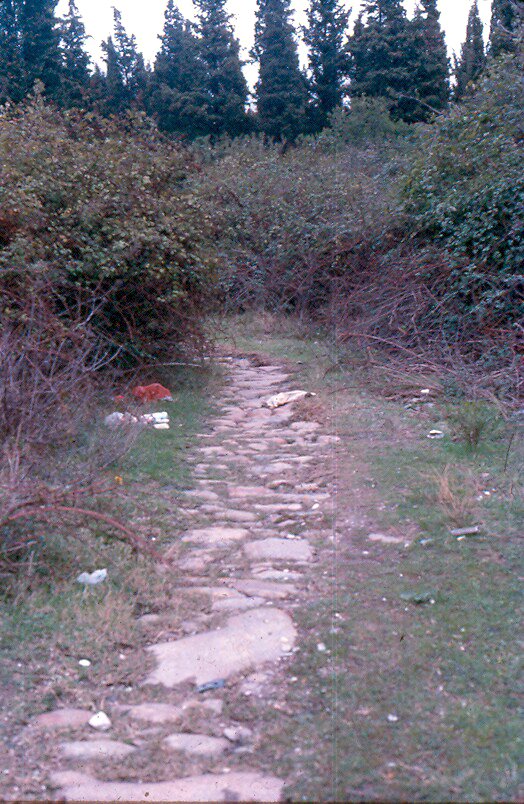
289	225
102	211
465	196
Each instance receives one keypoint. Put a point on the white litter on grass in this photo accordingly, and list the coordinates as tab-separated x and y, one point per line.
284	398
424	391
118	419
435	434
160	420
92	578
392	718
84	663
100	722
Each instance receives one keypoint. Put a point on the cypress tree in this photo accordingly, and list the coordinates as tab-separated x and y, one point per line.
431	77
472	54
179	97
328	60
114	98
75	83
225	87
40	43
12	84
504	22
281	91
383	56
130	63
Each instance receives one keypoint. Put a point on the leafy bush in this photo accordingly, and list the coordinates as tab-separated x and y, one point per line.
101	209
466	195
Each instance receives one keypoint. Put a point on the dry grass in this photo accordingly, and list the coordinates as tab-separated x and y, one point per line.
455	491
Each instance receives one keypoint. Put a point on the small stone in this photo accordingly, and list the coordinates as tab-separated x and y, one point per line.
385	538
63	719
267	589
238	734
100	722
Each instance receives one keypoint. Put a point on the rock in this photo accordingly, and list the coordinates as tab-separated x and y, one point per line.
63	719
100	722
238	734
96	749
305	427
247	639
237	603
215	535
236	786
239	516
266	589
200	744
167	713
279	549
275	508
236	492
202	494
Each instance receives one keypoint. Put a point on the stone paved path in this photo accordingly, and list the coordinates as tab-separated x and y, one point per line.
249	551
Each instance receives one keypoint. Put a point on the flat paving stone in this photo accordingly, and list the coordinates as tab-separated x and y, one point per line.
247	640
240	492
237	603
234	515
63	719
203	494
167	713
215	535
96	749
384	538
266	589
236	786
279	549
199	744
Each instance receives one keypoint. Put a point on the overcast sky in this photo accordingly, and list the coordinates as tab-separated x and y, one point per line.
145	19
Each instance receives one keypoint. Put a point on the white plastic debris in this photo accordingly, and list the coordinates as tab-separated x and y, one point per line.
92	578
424	391
118	419
392	718
100	722
160	420
284	398
321	647
435	434
84	663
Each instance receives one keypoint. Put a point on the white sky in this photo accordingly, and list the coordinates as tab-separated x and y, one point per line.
146	20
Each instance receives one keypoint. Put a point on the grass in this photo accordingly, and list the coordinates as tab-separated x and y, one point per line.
410	701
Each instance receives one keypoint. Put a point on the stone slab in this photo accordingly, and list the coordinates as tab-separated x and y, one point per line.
96	749
279	549
237	786
167	713
247	640
63	719
199	744
266	589
237	603
240	492
384	538
215	535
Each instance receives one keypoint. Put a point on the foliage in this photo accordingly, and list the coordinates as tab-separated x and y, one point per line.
472	55
224	85
325	37
505	19
75	79
178	99
101	211
466	195
432	64
281	91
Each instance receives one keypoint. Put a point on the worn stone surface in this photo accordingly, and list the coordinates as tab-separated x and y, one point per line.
63	719
267	589
96	749
200	744
215	535
384	538
237	603
247	640
279	549
237	786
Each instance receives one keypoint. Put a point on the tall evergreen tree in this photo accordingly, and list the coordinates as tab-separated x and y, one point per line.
76	76
40	44
225	85
431	63
12	83
179	96
126	75
472	54
325	36
504	22
383	56
281	90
